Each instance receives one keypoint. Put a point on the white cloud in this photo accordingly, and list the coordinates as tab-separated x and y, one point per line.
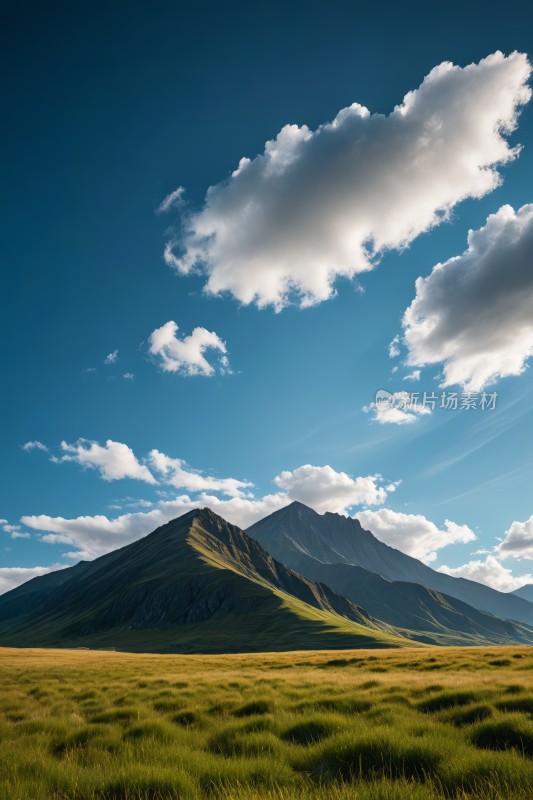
10	577
413	534
114	461
517	541
400	409
111	358
490	572
474	312
325	489
322	487
319	205
92	536
413	376
186	356
14	530
172	200
128	376
34	445
176	473
394	347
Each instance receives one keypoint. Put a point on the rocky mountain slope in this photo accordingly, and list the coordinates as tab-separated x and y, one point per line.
197	584
309	542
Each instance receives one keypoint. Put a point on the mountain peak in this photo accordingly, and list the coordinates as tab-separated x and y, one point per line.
296	505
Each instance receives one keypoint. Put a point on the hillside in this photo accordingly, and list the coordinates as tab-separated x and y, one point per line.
308	541
196	584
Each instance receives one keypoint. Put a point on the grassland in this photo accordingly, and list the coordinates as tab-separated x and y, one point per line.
404	724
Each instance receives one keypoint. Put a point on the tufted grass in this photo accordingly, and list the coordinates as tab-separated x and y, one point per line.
416	724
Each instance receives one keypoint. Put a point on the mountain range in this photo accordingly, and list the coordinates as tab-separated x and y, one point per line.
295	580
304	540
196	584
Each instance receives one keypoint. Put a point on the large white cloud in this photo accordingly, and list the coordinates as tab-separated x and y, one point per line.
14	576
325	489
114	461
413	533
176	473
474	312
186	355
518	540
490	572
318	205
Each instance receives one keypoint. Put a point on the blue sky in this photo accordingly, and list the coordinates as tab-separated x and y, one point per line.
109	112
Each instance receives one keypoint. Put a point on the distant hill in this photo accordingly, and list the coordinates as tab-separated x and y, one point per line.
525	592
308	542
196	584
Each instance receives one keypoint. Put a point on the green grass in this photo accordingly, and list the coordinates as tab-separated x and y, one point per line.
450	723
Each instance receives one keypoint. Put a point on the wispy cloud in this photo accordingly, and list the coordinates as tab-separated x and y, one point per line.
111	358
34	445
172	200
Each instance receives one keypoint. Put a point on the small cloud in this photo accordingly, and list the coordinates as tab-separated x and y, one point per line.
128	376
172	200
14	531
394	347
111	358
413	376
34	445
90	369
186	355
395	408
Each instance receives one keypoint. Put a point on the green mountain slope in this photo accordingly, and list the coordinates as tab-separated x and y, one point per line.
197	584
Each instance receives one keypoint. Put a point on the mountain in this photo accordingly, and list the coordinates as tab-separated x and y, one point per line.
525	592
196	584
419	613
304	540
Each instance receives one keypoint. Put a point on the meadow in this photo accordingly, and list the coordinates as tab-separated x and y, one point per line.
409	724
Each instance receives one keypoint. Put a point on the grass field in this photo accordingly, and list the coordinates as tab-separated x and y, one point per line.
394	724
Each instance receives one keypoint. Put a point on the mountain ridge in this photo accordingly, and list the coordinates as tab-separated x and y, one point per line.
296	533
195	584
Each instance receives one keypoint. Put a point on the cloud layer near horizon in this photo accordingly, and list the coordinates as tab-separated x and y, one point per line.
322	487
413	534
319	205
